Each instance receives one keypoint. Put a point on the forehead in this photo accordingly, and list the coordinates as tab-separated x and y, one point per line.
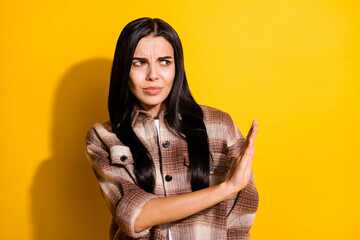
153	46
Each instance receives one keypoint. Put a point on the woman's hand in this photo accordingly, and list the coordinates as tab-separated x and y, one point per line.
240	171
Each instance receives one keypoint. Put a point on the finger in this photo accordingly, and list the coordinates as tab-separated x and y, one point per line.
251	139
244	156
242	167
255	130
255	123
248	146
248	151
252	153
253	134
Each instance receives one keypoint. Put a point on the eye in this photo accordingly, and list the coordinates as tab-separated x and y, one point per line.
139	63
165	62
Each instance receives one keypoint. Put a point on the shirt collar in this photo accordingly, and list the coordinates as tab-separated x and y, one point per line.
140	114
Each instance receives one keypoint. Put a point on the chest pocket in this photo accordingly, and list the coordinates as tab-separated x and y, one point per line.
121	155
219	166
220	163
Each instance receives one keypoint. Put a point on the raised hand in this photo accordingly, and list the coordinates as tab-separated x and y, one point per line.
240	172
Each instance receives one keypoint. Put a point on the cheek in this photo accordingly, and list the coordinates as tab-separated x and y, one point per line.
134	82
131	83
169	76
131	86
134	88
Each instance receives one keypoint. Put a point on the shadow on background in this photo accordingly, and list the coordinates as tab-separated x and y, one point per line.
65	197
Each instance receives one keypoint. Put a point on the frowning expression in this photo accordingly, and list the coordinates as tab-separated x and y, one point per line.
152	72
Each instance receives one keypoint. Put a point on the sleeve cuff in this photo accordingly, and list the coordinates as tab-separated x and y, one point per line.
129	208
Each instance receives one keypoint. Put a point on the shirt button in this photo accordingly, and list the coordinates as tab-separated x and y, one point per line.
168	178
123	158
166	144
211	166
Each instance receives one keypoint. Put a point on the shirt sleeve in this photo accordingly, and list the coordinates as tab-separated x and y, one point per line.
242	212
123	197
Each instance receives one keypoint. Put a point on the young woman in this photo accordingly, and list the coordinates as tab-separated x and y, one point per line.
167	167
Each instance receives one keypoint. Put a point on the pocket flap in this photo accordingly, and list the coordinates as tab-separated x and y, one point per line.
121	155
187	162
220	163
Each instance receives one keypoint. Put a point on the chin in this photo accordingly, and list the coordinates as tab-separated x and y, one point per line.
150	103
152	100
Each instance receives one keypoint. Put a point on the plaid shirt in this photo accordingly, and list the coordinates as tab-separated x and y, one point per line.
112	163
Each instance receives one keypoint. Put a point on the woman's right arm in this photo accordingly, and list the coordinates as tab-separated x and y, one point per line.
123	197
167	209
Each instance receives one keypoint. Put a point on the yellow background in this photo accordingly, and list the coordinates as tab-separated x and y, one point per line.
291	65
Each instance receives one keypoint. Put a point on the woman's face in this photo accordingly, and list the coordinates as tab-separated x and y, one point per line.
152	73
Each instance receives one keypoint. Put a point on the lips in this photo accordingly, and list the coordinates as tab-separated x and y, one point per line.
153	90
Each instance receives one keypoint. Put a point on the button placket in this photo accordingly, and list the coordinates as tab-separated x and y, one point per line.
164	145
168	177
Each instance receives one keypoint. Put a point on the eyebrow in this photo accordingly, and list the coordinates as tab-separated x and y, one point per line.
144	59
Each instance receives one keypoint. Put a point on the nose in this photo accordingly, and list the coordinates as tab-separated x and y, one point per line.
152	74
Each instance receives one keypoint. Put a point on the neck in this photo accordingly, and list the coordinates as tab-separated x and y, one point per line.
154	110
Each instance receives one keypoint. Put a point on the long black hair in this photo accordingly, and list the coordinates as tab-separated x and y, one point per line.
180	100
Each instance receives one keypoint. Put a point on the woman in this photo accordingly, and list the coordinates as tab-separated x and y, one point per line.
167	167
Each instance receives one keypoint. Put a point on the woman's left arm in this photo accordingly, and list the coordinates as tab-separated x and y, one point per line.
242	212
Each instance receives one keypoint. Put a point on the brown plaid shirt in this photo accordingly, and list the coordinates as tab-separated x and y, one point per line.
113	166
